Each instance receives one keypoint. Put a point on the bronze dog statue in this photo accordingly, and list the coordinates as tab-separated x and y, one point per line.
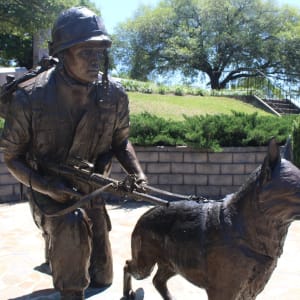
228	247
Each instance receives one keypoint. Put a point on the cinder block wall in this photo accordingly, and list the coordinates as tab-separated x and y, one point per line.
194	172
178	170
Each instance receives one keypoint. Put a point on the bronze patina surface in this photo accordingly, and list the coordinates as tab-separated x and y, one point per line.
230	247
71	111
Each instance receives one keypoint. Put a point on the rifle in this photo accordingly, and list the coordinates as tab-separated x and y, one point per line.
80	170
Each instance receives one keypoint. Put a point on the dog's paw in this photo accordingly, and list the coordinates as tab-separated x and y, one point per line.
134	295
130	295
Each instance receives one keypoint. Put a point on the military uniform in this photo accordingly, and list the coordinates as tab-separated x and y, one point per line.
42	126
56	117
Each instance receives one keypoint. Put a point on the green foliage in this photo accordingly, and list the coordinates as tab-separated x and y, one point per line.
149	88
179	91
20	20
198	92
210	131
29	16
18	47
261	85
296	141
136	46
146	88
131	85
162	89
226	40
150	130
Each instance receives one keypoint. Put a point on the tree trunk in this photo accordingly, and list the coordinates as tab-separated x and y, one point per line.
215	81
40	45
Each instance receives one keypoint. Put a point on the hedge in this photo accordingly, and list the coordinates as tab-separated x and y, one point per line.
210	132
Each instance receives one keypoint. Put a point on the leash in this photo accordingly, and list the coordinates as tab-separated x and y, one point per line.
174	195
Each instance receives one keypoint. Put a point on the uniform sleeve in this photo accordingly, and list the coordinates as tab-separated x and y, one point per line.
16	133
121	145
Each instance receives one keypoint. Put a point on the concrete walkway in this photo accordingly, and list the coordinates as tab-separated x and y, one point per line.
21	251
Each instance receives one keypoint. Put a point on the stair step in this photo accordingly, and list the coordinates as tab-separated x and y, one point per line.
291	111
276	101
283	106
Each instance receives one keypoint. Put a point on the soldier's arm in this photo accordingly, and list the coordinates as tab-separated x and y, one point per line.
15	142
55	189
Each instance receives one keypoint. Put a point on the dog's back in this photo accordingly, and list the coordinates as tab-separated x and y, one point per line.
180	235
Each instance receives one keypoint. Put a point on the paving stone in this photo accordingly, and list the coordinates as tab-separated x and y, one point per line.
21	250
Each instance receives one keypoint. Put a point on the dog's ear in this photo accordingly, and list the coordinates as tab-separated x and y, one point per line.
273	153
270	161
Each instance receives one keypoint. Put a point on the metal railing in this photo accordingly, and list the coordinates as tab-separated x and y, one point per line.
271	88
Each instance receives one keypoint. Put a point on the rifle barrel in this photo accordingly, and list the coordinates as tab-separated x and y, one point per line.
113	186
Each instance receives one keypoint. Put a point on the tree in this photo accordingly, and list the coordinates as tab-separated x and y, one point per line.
17	48
137	43
291	55
20	20
226	40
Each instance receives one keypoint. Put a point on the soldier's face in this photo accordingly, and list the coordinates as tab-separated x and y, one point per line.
82	61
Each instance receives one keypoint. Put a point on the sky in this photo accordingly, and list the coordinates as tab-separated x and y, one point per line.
116	11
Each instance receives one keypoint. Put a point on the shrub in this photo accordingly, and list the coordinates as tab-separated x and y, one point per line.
162	89
150	87
179	91
211	131
198	92
145	88
130	85
150	130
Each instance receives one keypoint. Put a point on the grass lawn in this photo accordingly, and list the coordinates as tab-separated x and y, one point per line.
174	107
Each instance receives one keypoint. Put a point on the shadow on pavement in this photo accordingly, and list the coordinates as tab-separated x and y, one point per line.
49	294
52	294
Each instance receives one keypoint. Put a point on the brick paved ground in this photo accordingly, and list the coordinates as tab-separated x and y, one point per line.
21	250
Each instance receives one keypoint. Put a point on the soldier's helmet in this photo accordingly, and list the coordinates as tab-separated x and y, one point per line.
77	25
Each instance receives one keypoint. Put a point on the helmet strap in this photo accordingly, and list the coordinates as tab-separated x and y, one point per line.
105	71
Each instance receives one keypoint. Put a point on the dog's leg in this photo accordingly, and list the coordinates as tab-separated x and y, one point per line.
160	279
128	293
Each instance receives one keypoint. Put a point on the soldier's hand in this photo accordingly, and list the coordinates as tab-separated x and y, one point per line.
141	185
59	192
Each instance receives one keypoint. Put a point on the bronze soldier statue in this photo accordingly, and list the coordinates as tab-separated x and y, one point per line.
71	111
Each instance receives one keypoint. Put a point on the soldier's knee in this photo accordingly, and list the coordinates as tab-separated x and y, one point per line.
79	221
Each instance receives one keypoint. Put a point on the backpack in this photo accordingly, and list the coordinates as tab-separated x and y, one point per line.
11	84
